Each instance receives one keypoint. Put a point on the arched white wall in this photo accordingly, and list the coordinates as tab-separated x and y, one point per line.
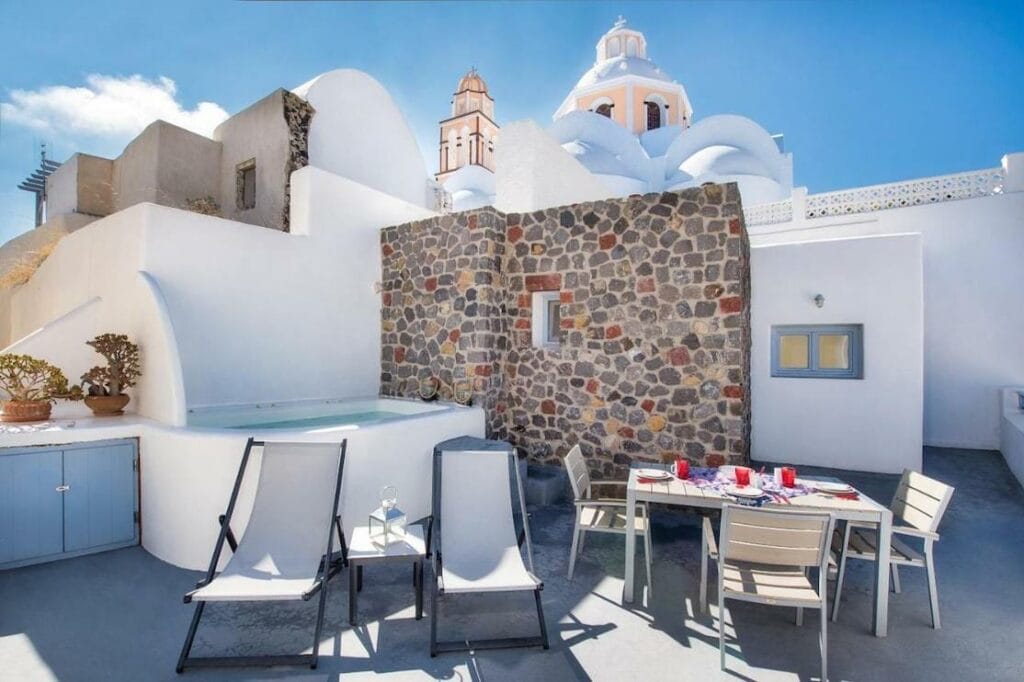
359	133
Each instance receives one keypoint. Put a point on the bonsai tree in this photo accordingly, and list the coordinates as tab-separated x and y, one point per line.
122	370
27	379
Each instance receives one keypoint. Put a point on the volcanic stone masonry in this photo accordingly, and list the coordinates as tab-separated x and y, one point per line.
654	353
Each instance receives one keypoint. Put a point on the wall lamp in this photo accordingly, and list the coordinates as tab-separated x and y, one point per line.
819	301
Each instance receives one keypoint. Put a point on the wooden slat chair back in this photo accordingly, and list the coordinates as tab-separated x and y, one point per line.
579	473
917	508
765	556
920	501
776	538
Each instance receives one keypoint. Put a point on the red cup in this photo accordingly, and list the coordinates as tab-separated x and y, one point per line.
742	476
788	477
682	468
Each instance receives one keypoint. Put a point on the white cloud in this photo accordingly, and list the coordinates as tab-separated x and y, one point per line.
108	106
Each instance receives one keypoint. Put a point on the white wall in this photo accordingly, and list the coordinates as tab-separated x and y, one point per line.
255	314
871	424
534	172
973	320
358	132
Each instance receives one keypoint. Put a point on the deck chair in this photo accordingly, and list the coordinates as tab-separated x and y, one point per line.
917	510
765	555
476	548
602	514
287	550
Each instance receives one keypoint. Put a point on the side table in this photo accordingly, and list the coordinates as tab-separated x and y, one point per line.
362	550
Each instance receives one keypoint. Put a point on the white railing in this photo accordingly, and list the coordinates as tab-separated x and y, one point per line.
769	214
969	185
982	183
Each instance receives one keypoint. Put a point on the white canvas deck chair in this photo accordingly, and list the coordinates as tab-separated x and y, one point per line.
287	550
476	548
765	556
917	510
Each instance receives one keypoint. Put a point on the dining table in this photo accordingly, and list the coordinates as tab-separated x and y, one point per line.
705	491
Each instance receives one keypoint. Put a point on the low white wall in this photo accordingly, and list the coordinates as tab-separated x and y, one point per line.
973	321
1011	432
871	424
187	477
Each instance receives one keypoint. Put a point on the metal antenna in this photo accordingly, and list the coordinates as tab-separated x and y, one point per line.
36	182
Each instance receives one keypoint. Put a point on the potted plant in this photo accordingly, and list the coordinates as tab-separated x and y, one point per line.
105	386
31	385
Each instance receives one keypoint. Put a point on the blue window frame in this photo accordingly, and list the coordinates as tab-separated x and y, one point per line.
819	351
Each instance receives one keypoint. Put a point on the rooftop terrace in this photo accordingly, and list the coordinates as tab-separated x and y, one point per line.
119	615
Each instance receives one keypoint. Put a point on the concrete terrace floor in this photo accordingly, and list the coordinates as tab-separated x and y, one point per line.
119	615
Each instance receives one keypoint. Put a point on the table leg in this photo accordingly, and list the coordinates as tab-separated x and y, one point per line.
352	570
627	592
884	549
419	589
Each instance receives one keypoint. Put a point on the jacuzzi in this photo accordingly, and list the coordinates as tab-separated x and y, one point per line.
187	472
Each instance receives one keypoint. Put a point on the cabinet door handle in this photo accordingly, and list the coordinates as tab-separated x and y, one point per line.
62	488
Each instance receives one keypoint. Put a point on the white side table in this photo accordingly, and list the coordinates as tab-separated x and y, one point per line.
362	550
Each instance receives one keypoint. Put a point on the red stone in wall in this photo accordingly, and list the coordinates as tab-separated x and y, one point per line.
515	233
547	406
607	241
679	356
613	332
733	391
730	304
714	459
549	282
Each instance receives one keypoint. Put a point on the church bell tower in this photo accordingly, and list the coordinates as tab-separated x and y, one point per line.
469	134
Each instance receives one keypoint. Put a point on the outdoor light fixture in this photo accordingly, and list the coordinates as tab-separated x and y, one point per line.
819	301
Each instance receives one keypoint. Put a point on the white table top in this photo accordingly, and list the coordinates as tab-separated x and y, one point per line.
361	549
687	493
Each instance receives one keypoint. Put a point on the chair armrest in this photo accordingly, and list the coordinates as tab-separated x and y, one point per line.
914	532
593	483
708	532
601	503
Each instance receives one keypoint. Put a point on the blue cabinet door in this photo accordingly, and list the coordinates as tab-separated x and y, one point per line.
100	500
31	506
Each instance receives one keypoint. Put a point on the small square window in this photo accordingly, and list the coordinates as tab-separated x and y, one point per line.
546	319
818	351
794	351
245	185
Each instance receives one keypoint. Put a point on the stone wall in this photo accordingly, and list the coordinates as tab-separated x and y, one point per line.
653	359
441	308
298	114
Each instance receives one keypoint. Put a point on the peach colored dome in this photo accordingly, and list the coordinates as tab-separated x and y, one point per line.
472	81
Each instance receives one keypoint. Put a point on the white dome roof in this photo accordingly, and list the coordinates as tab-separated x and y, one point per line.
620	66
724	148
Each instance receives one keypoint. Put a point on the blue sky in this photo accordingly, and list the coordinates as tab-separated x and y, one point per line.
865	92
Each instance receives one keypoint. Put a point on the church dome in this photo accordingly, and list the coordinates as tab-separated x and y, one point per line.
472	82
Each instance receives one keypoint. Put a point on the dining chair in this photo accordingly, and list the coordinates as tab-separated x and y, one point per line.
602	515
765	557
917	510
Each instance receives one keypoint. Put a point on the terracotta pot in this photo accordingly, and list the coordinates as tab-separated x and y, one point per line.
107	405
25	410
